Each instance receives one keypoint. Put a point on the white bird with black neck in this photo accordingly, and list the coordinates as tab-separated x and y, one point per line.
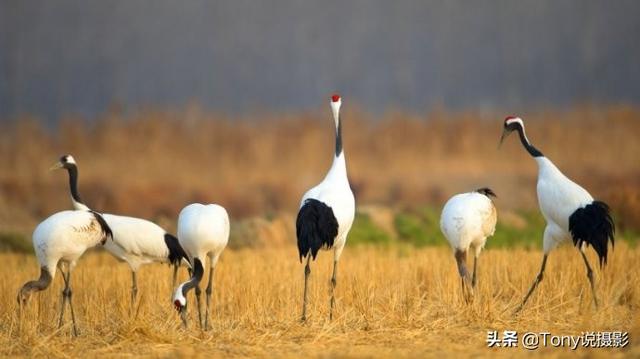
569	210
59	241
326	213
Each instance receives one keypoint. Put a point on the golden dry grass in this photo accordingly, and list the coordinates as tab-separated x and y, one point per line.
391	302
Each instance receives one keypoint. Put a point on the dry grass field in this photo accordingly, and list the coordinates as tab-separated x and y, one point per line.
391	302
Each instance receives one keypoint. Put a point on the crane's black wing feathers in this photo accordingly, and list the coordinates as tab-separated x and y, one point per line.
176	253
316	227
592	224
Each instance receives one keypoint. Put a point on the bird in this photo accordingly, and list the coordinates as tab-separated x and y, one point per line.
59	241
467	220
326	213
135	240
203	232
569	210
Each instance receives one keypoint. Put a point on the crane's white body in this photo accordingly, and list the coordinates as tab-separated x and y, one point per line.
336	193
203	231
329	204
65	236
136	241
558	198
467	220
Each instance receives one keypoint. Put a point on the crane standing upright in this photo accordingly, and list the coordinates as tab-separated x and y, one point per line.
326	213
59	241
569	210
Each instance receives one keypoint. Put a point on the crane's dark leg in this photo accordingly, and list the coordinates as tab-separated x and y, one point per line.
198	296
475	267
461	259
134	289
535	283
305	298
183	316
73	315
333	287
66	297
590	276
208	292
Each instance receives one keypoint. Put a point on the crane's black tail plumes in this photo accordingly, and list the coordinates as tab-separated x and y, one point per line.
593	225
486	191
176	253
316	227
104	227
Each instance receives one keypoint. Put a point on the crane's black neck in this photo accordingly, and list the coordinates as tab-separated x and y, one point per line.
197	273
73	183
534	152
339	138
35	285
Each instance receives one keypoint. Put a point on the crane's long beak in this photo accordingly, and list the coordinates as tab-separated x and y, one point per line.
56	166
183	316
505	133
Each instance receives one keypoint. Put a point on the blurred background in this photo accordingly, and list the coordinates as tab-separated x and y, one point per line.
163	103
75	57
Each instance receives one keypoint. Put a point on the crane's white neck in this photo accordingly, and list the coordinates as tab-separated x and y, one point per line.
546	167
338	170
79	206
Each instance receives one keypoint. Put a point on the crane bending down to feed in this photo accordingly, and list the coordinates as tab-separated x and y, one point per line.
59	241
135	240
326	213
203	231
569	210
467	220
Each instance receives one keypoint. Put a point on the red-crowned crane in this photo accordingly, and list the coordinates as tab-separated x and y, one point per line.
203	232
326	213
135	240
60	241
569	210
467	220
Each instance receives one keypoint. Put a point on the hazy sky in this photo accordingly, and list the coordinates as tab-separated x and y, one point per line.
244	55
